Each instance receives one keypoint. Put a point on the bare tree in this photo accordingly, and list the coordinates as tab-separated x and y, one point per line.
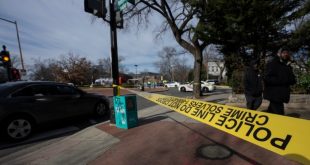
181	70
69	68
75	69
43	70
168	59
170	65
180	17
105	66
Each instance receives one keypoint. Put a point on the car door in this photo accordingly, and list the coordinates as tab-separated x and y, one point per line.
73	101
39	101
189	87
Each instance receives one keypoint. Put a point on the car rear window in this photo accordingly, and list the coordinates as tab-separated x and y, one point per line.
36	90
67	90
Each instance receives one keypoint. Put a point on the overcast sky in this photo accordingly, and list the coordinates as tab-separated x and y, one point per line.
50	28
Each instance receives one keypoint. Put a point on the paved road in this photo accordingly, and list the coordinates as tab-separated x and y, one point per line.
220	95
51	133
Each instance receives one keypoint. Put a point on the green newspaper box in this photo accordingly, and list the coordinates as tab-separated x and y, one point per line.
125	108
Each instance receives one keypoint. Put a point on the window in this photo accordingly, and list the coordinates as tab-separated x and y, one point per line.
36	90
67	90
23	92
44	90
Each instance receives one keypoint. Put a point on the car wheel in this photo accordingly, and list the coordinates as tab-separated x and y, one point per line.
183	89
18	128
205	89
101	109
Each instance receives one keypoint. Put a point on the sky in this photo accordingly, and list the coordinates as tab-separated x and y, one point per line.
51	28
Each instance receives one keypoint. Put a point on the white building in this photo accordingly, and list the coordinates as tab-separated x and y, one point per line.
214	69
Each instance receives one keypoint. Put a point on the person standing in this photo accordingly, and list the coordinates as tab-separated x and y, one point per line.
253	86
278	78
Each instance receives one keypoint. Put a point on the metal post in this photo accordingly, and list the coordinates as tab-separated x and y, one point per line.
20	48
114	56
115	73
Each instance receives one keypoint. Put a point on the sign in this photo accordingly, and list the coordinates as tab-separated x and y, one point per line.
121	4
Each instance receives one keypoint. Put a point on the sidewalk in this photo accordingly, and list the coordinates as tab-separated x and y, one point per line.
162	137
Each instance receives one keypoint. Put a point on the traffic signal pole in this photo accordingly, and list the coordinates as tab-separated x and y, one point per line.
114	54
97	8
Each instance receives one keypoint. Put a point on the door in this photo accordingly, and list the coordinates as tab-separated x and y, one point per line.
40	101
73	101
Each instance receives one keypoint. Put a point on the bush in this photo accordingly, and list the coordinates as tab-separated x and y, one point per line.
303	84
236	81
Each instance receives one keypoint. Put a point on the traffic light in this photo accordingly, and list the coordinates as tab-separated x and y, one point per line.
5	57
95	7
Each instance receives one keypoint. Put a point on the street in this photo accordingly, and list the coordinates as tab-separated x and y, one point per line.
55	132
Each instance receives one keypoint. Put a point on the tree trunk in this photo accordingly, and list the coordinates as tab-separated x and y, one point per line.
197	75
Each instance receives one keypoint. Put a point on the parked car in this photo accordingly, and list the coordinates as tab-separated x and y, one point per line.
172	84
25	105
205	87
160	84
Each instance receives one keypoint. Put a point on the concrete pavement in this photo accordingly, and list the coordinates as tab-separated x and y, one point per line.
162	137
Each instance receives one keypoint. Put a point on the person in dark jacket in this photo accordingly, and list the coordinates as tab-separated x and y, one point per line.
278	78
253	87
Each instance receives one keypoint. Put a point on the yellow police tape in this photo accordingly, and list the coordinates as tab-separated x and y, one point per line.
287	136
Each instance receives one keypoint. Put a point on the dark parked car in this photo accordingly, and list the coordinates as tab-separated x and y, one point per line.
25	105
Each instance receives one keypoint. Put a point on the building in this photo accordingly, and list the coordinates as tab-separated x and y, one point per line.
216	70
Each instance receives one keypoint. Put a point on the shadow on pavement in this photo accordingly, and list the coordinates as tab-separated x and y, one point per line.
296	115
153	118
217	100
242	156
148	120
54	130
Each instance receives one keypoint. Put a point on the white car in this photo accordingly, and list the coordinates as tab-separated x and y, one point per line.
205	87
172	84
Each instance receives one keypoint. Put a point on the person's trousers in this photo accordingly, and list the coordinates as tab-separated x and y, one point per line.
276	108
253	102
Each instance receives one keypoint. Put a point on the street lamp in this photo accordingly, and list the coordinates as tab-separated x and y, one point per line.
20	49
